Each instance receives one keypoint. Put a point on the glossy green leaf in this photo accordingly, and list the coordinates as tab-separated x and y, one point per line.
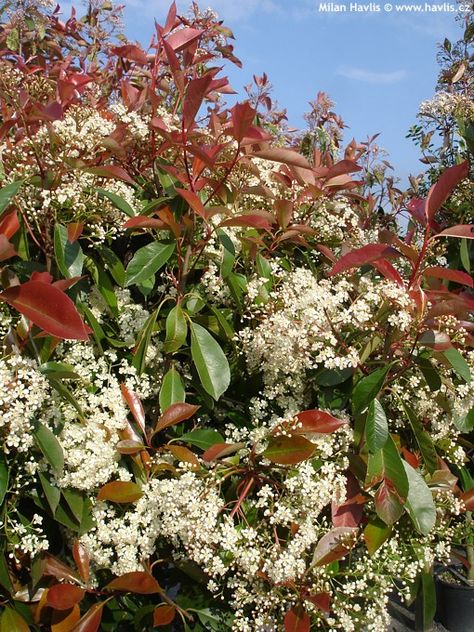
465	255
118	201
66	394
429	372
203	438
5	579
58	370
419	503
386	464
147	261
368	388
376	428
423	439
141	347
113	264
228	252
465	423
376	533
69	256
210	361
176	329
11	621
49	446
4	476
8	192
53	494
459	364
172	389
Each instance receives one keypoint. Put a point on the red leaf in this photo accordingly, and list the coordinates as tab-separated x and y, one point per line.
137	582
242	115
450	275
163	615
195	93
121	492
219	450
48	308
341	168
320	600
81	557
437	340
468	499
318	421
183	38
286	156
6	249
129	446
175	68
170	19
387	503
174	414
111	171
362	256
289	450
389	272
64	596
51	566
63	285
90	622
334	545
440	191
194	202
9	224
142	221
350	512
74	231
297	621
135	405
253	221
465	231
131	52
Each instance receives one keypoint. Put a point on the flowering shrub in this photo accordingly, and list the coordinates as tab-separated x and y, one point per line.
232	391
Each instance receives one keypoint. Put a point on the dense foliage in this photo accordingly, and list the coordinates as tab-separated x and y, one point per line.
236	390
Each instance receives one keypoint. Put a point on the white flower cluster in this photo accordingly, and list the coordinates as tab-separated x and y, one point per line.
303	327
23	393
446	104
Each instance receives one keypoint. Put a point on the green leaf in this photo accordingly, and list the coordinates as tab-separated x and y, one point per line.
50	447
147	261
423	440
333	377
172	389
53	494
376	428
286	450
429	372
66	394
58	370
375	534
203	438
228	256
464	253
386	464
117	201
5	579
141	347
75	501
104	285
8	192
368	388
176	329
426	602
210	361
466	423
113	264
419	504
4	476
459	364
69	256
11	621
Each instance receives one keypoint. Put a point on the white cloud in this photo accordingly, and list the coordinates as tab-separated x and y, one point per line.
369	76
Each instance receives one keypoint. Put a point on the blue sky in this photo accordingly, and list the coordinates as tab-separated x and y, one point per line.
377	67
